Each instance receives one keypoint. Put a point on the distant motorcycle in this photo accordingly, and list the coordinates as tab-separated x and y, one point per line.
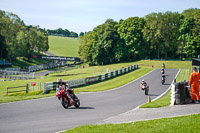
68	98
163	79
163	71
145	88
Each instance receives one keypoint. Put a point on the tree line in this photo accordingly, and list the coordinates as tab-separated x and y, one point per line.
168	35
18	39
61	32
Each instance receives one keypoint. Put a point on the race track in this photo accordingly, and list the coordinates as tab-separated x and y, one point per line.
46	115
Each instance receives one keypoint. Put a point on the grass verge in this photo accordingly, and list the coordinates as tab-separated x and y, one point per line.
184	124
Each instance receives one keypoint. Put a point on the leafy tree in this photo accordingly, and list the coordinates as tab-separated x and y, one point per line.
193	42
169	32
130	30
185	35
81	34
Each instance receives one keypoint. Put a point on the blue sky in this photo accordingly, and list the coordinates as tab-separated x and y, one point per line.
84	15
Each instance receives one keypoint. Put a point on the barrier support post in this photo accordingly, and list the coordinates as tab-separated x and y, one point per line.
27	88
6	90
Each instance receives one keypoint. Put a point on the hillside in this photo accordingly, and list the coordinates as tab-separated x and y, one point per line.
63	46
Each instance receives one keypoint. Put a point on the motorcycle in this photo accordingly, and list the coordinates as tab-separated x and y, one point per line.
68	98
163	71
163	79
145	88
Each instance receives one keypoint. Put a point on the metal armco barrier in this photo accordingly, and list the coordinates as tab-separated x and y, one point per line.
78	82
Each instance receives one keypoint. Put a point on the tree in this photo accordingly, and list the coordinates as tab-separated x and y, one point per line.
152	34
192	47
169	32
130	30
81	34
185	35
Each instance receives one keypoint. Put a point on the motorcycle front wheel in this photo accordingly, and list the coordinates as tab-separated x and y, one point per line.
77	103
65	103
146	91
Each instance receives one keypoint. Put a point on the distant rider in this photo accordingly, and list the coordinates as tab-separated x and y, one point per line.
163	71
163	65
143	83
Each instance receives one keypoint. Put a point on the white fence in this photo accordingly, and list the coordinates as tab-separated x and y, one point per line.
48	86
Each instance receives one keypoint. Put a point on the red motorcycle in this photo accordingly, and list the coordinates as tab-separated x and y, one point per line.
68	98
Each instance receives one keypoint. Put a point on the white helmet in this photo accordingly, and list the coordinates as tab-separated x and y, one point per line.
143	81
67	85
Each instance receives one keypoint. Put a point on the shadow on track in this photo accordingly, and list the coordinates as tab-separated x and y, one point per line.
82	108
153	95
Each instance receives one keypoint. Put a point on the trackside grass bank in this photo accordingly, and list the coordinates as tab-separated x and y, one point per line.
184	124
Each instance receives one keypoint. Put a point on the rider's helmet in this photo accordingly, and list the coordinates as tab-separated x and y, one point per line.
59	80
67	85
143	81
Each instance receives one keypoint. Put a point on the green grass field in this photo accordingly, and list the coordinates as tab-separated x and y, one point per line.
184	124
63	46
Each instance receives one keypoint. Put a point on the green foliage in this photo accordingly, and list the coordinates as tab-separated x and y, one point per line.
17	39
61	32
158	35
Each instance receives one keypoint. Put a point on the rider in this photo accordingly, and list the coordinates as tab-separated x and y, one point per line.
60	85
143	83
163	65
163	71
66	87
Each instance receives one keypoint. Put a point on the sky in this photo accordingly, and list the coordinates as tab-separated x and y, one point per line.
84	15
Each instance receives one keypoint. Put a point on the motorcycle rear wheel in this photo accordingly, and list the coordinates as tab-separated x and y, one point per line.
64	103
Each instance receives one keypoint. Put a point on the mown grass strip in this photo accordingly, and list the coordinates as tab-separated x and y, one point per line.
184	124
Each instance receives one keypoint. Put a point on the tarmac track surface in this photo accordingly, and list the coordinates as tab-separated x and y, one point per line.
46	115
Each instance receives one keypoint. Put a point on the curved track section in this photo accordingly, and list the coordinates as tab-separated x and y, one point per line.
46	115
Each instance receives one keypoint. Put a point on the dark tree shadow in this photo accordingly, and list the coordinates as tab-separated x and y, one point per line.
166	84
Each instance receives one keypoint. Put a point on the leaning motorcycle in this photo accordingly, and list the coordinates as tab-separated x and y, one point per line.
163	79
68	98
163	71
145	88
